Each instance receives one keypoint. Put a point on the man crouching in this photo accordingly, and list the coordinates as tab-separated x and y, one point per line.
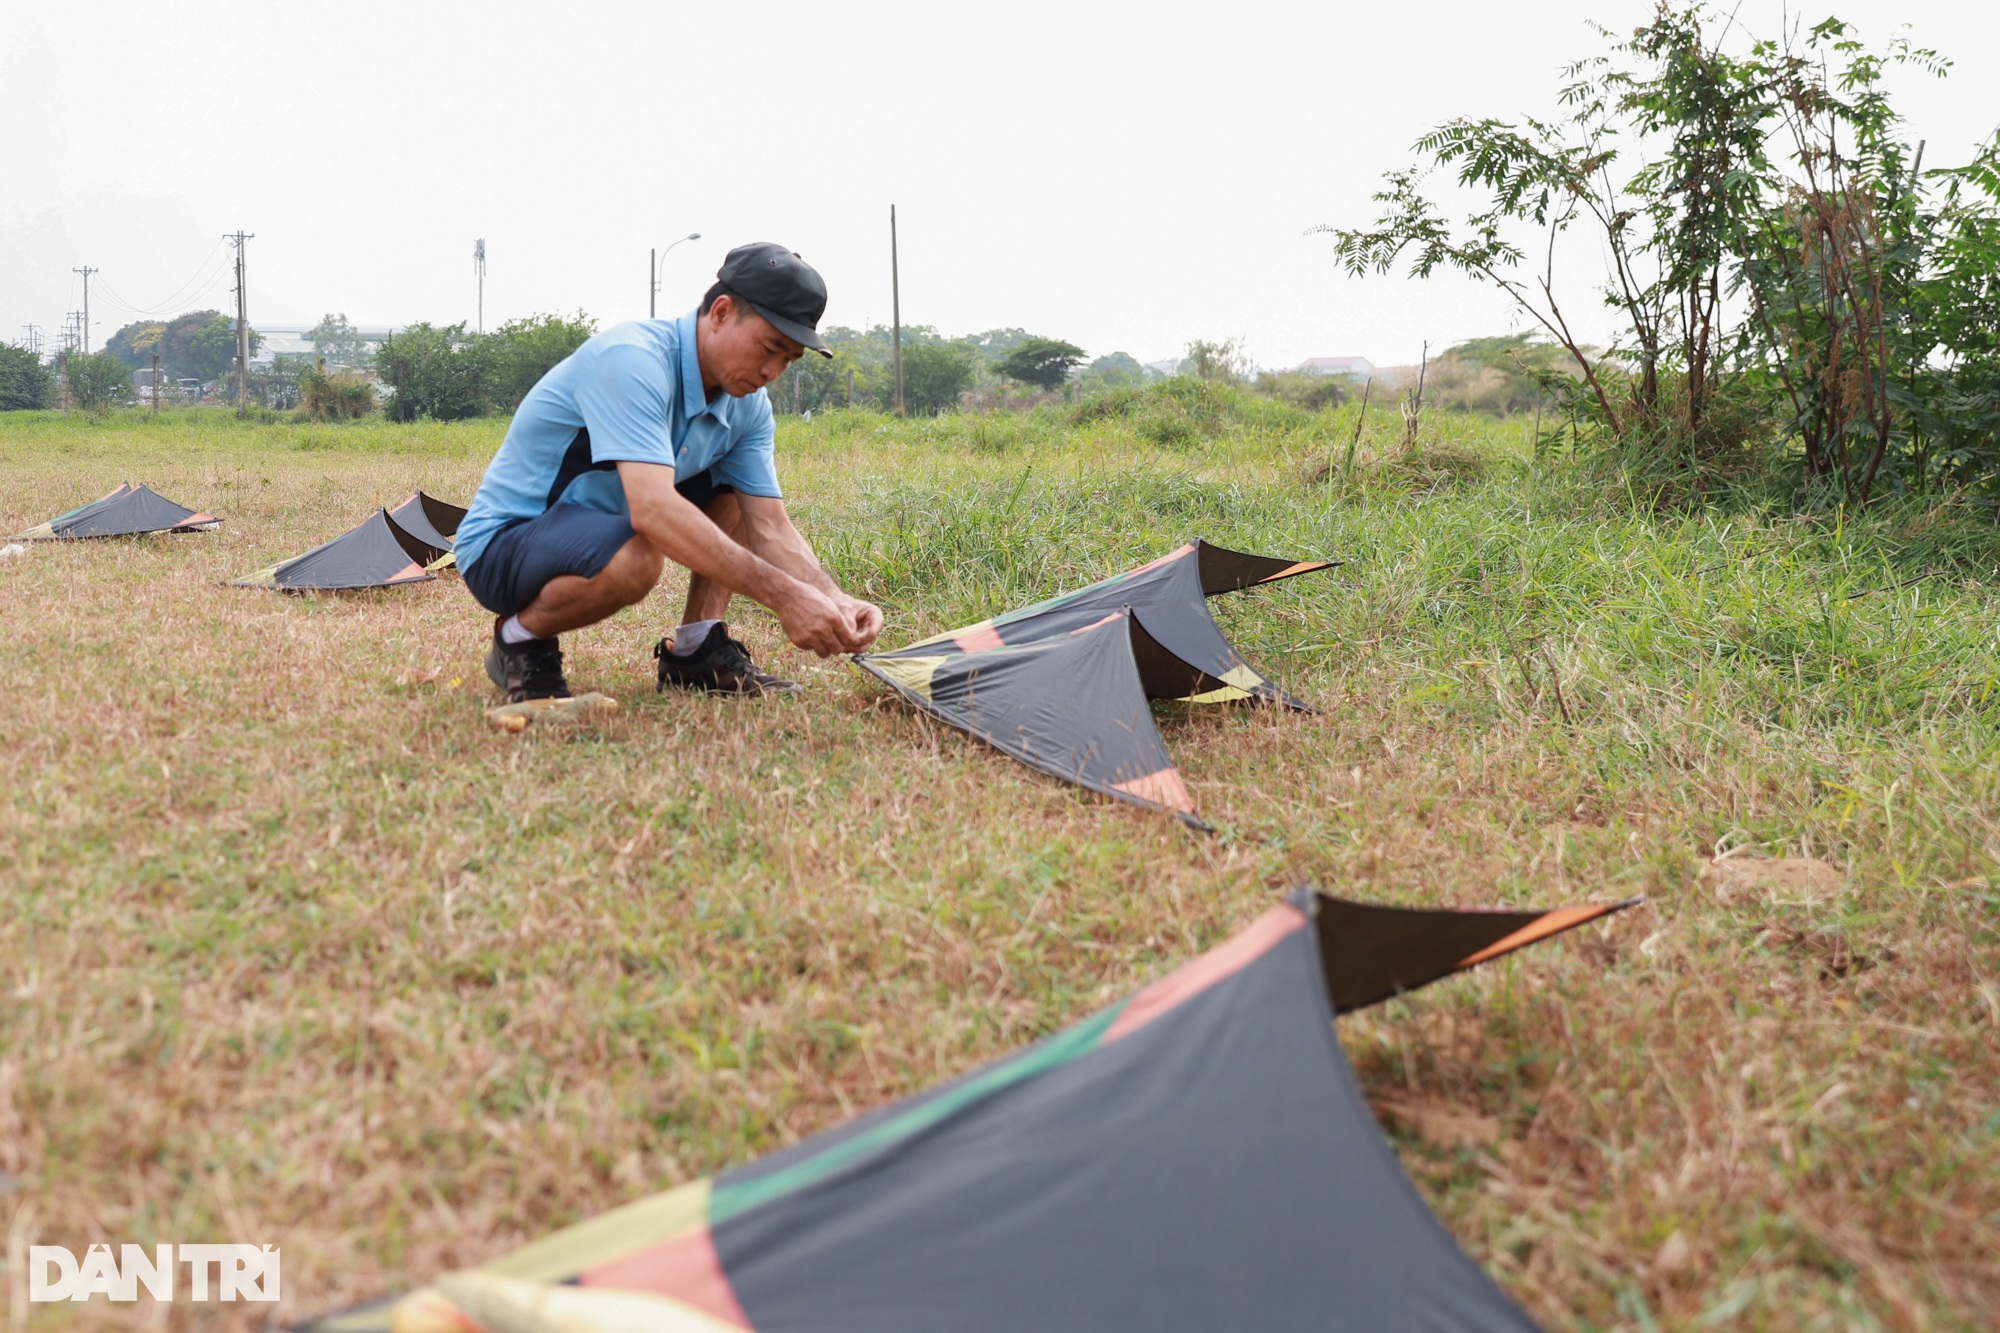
653	442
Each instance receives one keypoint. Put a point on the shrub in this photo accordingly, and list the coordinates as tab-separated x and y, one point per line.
24	381
436	372
524	350
324	397
1312	392
99	380
934	374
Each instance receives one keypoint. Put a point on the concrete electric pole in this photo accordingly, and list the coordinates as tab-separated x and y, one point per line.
479	267
86	270
242	326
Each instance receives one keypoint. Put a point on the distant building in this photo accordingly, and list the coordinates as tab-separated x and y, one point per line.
1163	369
1353	367
290	340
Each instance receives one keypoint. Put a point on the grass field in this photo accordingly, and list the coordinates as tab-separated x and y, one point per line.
297	950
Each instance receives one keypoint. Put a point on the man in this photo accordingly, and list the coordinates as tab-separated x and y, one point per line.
652	443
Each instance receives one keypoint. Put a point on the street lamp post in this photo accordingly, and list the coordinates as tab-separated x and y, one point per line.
659	257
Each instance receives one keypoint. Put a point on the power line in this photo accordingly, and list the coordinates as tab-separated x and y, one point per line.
189	295
184	297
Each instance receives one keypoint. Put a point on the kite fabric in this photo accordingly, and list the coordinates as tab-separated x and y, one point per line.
1196	1157
1063	685
1074	707
433	523
128	511
378	553
1170	595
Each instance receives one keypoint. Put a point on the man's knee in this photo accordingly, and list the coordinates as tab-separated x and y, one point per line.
633	572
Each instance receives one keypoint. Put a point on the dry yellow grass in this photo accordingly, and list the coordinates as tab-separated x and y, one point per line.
299	951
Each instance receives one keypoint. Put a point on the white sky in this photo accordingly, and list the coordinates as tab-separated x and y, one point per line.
1127	177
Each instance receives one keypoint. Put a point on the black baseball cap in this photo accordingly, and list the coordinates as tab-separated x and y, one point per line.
780	286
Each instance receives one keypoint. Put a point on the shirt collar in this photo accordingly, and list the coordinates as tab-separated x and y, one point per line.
694	398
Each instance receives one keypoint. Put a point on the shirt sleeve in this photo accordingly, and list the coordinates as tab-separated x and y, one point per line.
751	463
624	399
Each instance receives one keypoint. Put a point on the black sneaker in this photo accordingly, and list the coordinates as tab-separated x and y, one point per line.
523	671
721	665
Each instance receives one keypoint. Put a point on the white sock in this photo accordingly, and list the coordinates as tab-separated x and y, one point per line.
692	636
512	631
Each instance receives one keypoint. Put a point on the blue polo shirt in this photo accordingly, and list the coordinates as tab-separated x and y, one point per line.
630	394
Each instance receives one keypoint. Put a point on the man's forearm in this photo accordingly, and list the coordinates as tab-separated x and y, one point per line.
691	541
788	550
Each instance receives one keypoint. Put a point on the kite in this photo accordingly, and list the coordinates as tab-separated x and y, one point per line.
433	522
1063	685
126	512
379	553
1197	1157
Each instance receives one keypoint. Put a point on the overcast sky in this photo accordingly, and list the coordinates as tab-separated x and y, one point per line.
1128	177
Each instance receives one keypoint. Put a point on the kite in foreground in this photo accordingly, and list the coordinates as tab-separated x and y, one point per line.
126	512
1197	1157
1063	685
389	548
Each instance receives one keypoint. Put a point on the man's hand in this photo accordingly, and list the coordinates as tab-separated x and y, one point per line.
864	621
814	621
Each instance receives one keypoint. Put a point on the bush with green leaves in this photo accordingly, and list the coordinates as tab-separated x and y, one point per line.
25	382
436	372
934	375
1496	376
1182	412
442	372
97	381
524	350
334	397
1303	389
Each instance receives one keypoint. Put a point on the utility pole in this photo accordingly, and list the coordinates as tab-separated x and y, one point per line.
156	382
62	358
479	266
86	270
242	327
896	307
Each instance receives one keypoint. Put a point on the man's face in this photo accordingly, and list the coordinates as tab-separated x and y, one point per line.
742	352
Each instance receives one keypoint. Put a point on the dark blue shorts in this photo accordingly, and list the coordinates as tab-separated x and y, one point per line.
520	560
